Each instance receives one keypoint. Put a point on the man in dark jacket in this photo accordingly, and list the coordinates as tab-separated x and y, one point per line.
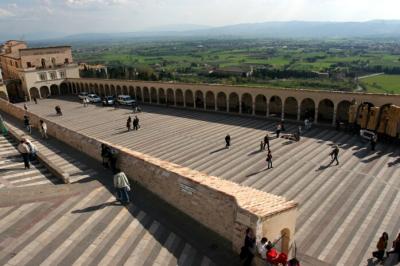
266	141
228	141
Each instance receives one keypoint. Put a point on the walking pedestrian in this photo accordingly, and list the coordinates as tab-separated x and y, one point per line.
227	141
269	159
266	141
105	155
278	129
128	123
381	247
27	124
136	123
32	149
334	154
35	100
24	151
373	142
84	100
25	107
58	110
122	186
43	129
395	248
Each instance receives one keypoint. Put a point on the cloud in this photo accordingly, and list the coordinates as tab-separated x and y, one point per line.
77	3
5	13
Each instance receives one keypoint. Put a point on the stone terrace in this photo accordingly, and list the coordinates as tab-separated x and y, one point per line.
342	209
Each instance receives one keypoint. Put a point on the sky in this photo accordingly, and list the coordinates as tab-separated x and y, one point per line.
22	18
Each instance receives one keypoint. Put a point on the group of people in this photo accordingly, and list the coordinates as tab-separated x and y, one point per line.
381	247
28	151
266	250
135	123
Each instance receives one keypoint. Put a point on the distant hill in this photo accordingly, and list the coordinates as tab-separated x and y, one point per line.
290	29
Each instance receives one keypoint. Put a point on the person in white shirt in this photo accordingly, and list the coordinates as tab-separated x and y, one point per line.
24	150
122	186
43	129
262	248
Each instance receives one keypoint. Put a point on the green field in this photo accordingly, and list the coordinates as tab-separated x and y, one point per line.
382	83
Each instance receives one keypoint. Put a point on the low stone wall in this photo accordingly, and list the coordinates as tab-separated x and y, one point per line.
224	207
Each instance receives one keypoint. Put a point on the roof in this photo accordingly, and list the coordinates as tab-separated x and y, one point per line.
43	48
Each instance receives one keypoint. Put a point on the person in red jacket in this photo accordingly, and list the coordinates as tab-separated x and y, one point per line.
274	257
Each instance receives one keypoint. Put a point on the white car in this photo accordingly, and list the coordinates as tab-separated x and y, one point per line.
82	95
125	100
93	98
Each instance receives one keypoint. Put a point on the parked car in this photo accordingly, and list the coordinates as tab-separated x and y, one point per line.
93	98
125	100
108	100
82	95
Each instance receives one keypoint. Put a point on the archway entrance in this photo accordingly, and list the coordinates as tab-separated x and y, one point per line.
247	104
307	109
170	97
161	96
54	90
44	91
275	107
210	101
153	95
64	89
233	103
179	97
261	105
325	111
342	112
139	97
199	100
34	92
146	95
189	98
291	107
221	102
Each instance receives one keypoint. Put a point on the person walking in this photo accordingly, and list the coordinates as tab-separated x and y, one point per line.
334	154
381	247
278	130
32	149
43	129
266	141
227	141
395	248
373	142
24	151
122	186
58	110
269	159
84	100
136	123
27	124
35	100
128	123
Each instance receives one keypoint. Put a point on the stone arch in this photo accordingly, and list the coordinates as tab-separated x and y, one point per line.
54	90
34	92
125	90
342	112
170	97
261	105
139	96
179	99
3	95
81	87
247	103
73	88
107	90
64	89
210	100
189	98
96	89
44	91
91	87
291	108
112	90
275	106
119	90
153	95
161	96
146	95
234	102
132	92
221	102
86	87
102	91
199	99
307	109
325	111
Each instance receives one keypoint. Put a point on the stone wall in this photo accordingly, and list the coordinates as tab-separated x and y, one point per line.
224	207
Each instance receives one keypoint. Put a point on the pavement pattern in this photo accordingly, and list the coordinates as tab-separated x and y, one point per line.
82	224
342	209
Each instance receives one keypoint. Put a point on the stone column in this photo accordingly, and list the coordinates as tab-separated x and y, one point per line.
283	110
334	114
174	95
215	103
227	105
298	112
184	98
316	116
267	104
240	107
158	97
254	108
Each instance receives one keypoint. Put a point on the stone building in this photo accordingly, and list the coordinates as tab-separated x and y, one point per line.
35	72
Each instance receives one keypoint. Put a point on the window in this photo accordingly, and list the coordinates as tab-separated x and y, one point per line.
66	61
42	76
62	74
28	64
53	75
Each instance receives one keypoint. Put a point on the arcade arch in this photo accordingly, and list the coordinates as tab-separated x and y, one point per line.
139	96
199	100
221	102
291	108
233	103
179	97
189	98
325	111
153	95
261	105
342	112
307	109
146	95
247	104
210	100
275	106
161	96
54	90
44	91
34	92
64	89
170	97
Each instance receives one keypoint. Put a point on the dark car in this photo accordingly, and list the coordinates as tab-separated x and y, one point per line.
108	100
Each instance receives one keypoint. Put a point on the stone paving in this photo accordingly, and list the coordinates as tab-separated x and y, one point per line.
342	209
82	224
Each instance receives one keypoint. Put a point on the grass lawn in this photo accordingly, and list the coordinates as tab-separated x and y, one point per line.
382	84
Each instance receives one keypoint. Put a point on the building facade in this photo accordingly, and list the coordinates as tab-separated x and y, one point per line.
36	72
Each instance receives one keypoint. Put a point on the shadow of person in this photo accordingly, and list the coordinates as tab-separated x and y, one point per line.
397	161
218	150
255	173
97	207
254	152
323	167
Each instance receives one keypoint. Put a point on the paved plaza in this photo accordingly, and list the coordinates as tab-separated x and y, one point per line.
342	209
